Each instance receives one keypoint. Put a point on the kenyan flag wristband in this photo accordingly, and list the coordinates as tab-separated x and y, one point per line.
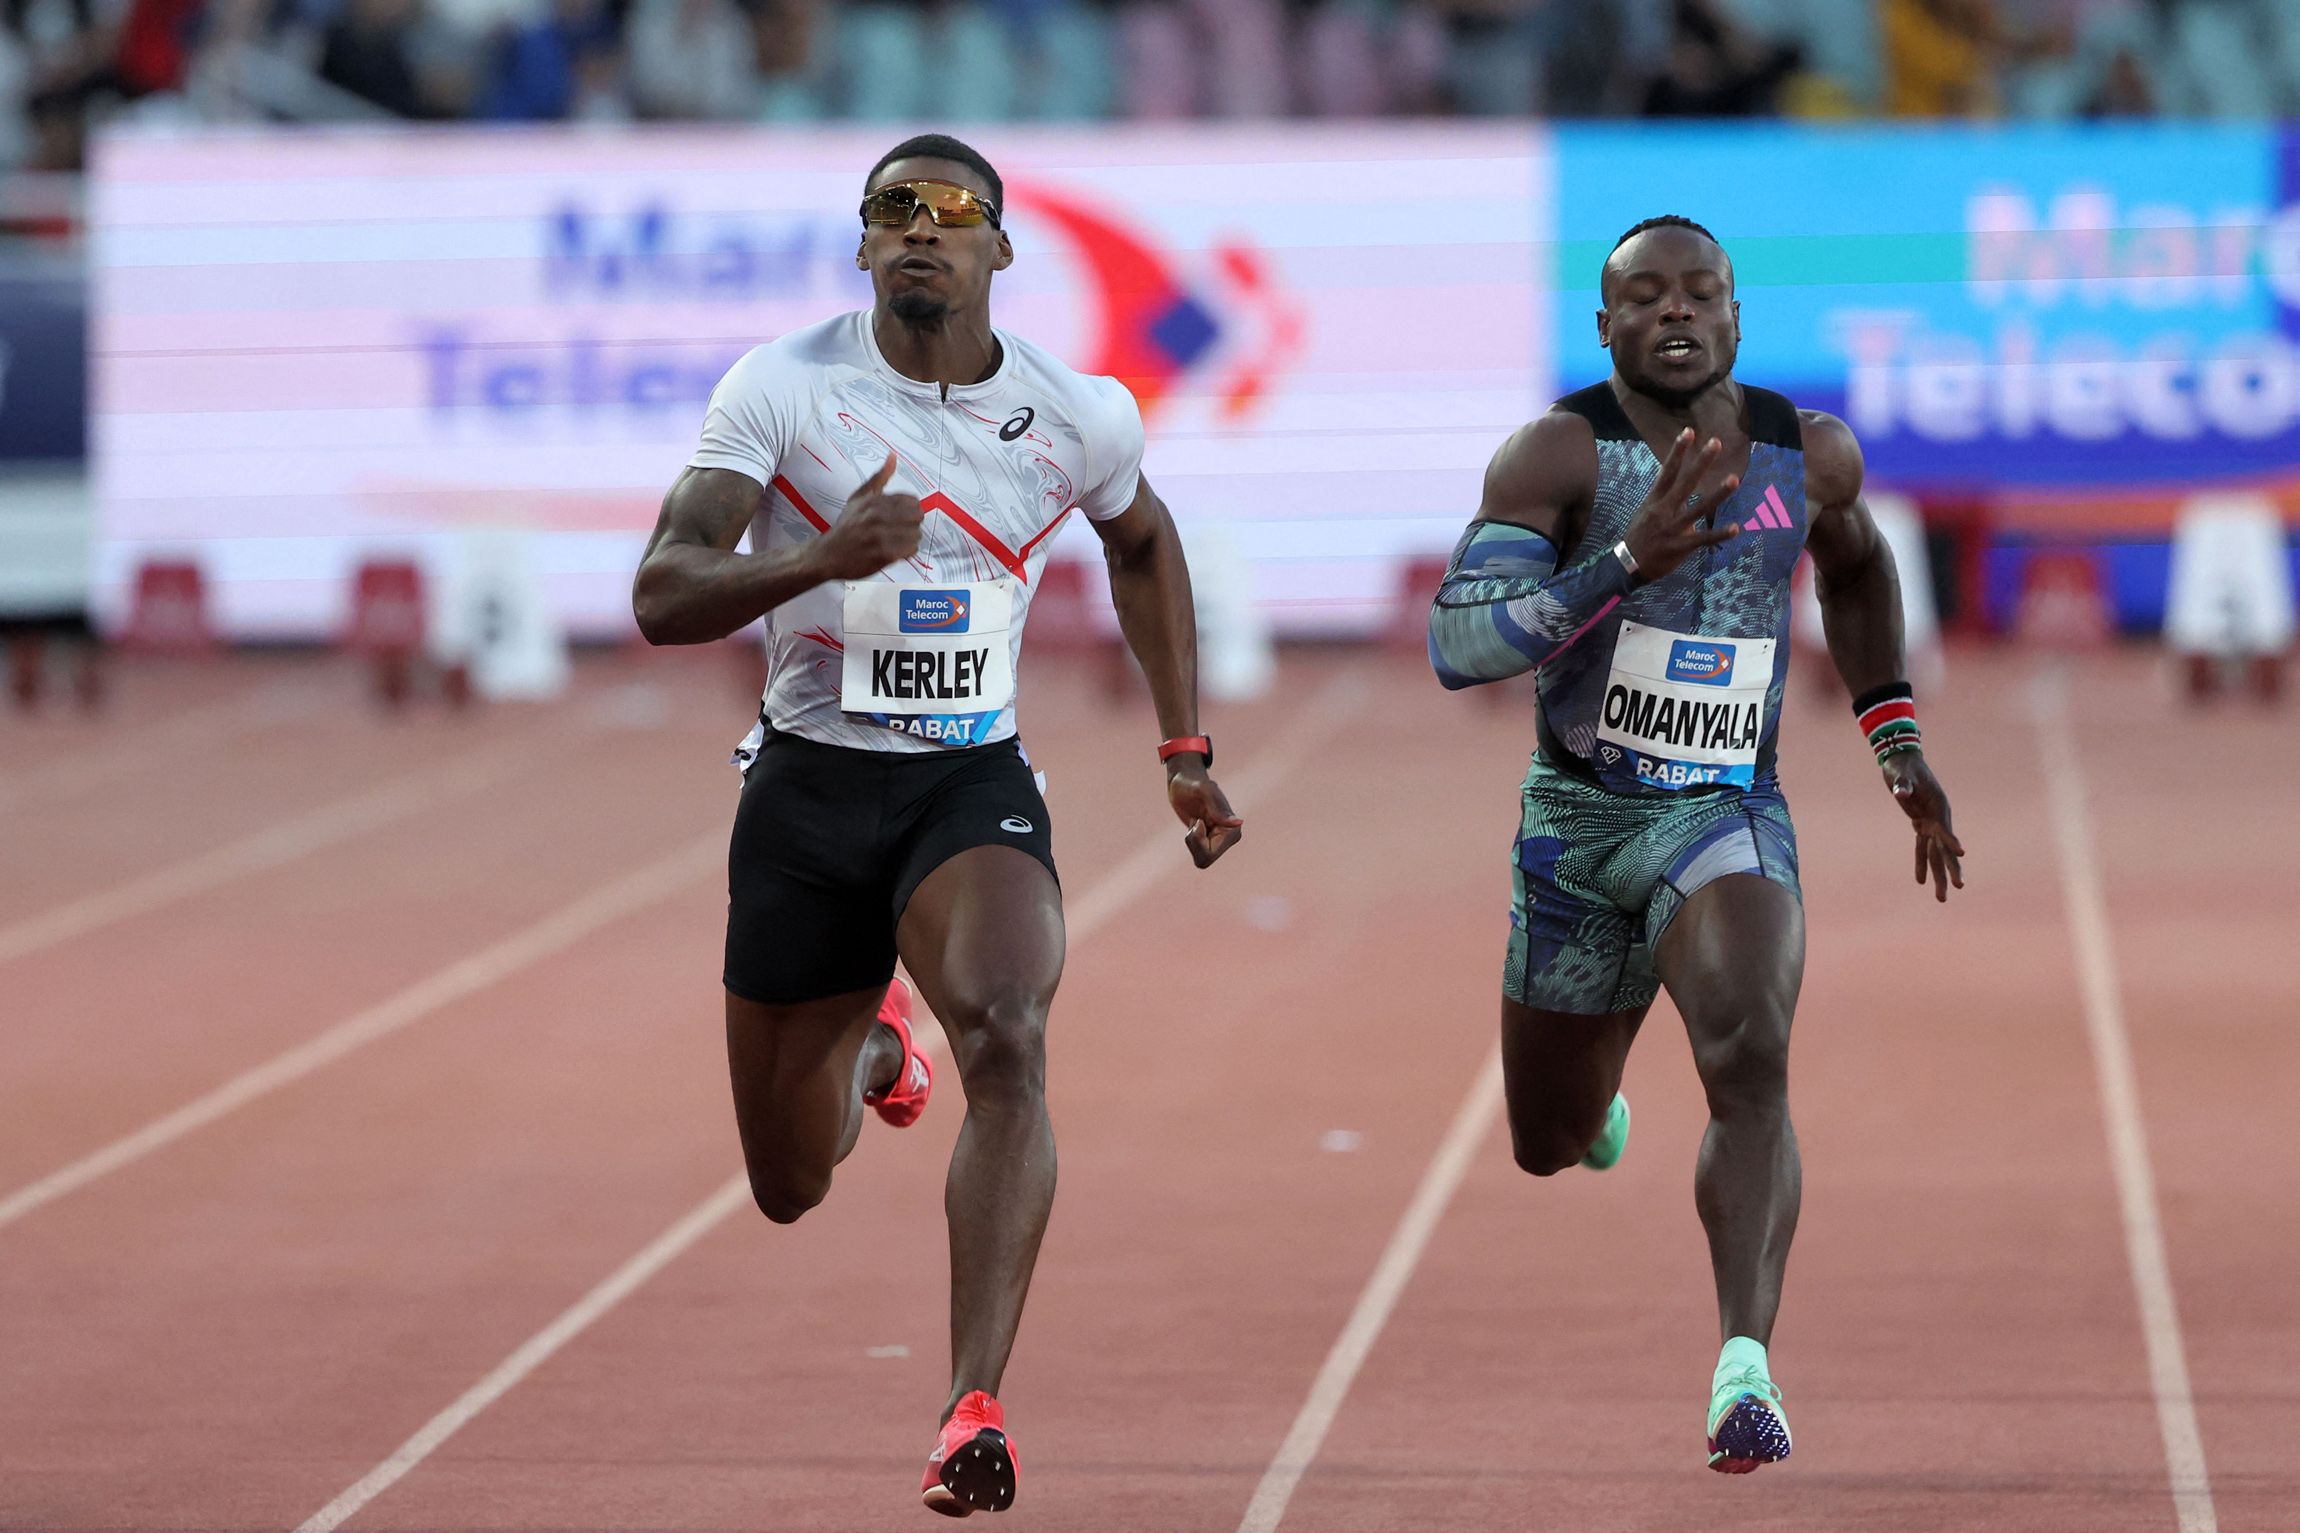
1888	716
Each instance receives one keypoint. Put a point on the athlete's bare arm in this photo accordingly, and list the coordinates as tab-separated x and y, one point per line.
1546	474
1543	478
1150	585
1852	562
1861	614
693	587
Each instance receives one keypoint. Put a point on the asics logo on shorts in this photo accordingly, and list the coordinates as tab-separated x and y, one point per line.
1017	824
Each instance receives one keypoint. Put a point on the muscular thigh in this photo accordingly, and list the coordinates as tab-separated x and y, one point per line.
984	932
978	906
1734	958
1563	1067
793	1070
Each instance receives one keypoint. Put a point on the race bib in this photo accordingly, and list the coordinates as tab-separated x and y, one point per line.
930	661
1682	711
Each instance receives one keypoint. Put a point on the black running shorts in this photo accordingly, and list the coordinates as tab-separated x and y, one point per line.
830	842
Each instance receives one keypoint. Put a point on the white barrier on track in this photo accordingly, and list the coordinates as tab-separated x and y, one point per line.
2231	580
492	616
1235	656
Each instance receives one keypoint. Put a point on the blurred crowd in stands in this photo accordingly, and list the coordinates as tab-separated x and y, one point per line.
68	65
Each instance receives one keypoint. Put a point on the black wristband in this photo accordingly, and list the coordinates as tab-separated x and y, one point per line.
1890	692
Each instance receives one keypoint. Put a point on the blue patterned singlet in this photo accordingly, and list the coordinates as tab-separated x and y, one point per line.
1677	687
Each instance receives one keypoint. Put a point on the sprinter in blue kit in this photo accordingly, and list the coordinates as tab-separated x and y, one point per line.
1634	548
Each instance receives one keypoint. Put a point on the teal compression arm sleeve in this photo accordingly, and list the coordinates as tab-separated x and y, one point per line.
1505	608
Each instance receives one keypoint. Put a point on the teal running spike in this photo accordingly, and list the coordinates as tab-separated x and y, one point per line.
1746	1426
1611	1139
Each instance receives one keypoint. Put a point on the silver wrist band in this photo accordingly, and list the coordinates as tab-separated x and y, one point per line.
1628	559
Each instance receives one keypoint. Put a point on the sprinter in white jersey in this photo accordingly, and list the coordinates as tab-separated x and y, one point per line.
901	473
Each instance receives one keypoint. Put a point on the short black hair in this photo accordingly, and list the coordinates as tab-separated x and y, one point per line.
1665	221
941	146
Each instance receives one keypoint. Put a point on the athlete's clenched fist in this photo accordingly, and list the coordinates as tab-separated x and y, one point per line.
874	530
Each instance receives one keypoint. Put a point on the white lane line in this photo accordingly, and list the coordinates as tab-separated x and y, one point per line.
533	1353
2144	1247
1333	704
1472	1121
132	750
467	976
273	846
1129	880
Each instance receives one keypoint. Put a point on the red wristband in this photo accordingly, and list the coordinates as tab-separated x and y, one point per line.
1187	745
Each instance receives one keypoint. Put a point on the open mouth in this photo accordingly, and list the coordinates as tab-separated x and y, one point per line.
1677	349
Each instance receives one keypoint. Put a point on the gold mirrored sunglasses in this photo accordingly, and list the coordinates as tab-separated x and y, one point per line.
951	207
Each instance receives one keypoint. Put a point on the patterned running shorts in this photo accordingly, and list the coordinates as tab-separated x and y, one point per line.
1600	874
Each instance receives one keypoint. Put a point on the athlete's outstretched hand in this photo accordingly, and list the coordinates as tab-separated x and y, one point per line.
1667	526
873	530
1919	794
1199	804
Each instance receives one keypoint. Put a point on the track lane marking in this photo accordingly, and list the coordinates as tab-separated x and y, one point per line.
2095	953
465	977
275	846
1473	1120
1140	870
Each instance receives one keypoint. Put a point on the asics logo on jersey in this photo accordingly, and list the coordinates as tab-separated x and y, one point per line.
932	612
1017	824
1701	662
1018	424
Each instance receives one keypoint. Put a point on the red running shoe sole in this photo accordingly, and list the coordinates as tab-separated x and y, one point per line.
977	1476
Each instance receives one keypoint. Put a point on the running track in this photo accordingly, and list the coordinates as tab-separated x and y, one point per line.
507	926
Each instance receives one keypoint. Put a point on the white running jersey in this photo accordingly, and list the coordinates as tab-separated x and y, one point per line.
922	655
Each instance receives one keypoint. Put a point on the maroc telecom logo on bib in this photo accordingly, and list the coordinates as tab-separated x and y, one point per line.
1701	662
932	612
